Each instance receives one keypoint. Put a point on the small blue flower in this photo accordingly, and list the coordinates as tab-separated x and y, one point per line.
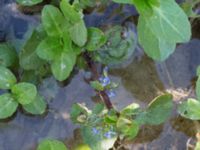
111	93
109	134
95	131
104	81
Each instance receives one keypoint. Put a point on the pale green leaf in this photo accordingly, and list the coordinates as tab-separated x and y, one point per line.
49	144
28	2
24	93
7	78
52	20
37	107
7	106
63	65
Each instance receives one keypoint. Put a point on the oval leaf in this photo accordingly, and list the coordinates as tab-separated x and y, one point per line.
63	65
37	107
25	93
7	106
52	20
49	144
28	2
7	78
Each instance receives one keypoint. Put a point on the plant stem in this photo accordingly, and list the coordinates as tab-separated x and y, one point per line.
95	76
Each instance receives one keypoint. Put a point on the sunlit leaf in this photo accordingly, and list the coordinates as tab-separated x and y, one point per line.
50	144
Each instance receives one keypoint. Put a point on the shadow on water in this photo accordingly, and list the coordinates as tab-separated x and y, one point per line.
140	81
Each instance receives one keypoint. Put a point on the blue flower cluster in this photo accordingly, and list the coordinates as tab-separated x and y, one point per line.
108	134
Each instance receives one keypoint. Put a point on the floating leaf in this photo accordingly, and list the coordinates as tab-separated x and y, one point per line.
7	106
24	93
63	65
50	144
37	107
7	78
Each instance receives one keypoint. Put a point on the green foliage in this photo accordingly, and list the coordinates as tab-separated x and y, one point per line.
24	93
97	85
7	78
7	105
49	144
28	2
8	55
37	107
118	48
190	109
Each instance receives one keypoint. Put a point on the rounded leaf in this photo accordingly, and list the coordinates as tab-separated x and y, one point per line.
49	144
7	78
7	106
37	107
25	93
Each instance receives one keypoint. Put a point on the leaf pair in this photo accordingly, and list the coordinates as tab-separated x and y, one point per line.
21	93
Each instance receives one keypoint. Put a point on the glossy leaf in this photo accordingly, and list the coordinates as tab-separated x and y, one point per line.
50	144
49	48
154	46
8	55
96	39
24	93
7	106
190	109
52	20
37	107
7	78
63	65
28	2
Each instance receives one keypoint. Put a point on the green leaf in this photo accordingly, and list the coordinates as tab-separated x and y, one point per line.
98	108
7	106
168	26
97	85
28	2
52	20
8	55
128	128
37	107
190	109
69	12
155	47
63	65
7	78
157	112
28	58
96	39
123	1
76	111
24	93
49	144
78	33
130	110
49	48
96	141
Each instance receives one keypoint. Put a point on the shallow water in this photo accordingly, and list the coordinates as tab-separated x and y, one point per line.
140	81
